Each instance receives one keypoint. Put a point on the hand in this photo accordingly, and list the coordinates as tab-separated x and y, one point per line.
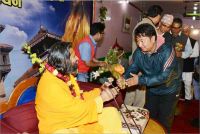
108	94
102	63
121	83
132	81
115	90
105	85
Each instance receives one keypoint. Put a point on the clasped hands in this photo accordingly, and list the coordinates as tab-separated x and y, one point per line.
108	93
122	83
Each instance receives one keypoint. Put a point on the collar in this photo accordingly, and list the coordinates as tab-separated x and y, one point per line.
179	34
93	41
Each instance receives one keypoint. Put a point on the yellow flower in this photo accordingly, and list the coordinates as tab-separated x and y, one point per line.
118	68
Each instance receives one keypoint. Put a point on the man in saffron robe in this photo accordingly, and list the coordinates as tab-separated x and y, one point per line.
63	108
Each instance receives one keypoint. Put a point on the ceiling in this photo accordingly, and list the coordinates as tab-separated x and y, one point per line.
175	7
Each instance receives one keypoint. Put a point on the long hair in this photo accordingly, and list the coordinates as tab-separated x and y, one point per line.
77	25
59	57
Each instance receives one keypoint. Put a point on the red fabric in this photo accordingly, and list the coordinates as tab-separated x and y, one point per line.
6	129
85	86
82	67
22	118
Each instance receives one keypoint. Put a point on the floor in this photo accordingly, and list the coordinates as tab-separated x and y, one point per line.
184	120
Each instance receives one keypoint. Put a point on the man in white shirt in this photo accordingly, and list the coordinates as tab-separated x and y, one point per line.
188	64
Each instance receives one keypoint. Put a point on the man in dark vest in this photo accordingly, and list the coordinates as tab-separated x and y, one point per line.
182	46
188	65
86	49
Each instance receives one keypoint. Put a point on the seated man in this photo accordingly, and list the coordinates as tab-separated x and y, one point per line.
62	107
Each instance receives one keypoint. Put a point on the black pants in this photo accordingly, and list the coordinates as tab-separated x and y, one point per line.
162	107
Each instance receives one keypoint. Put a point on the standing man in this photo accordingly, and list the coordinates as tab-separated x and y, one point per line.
159	74
179	38
136	95
86	49
188	64
163	29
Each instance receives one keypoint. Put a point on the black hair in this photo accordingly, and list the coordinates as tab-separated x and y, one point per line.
59	57
178	20
154	10
97	27
145	30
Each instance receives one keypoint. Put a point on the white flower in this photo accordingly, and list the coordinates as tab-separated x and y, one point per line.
55	72
95	74
110	79
69	83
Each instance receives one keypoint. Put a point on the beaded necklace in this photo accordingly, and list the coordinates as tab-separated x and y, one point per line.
66	79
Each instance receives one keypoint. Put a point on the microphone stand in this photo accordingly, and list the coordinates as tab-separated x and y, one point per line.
122	112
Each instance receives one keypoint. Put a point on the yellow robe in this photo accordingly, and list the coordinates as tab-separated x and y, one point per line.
57	109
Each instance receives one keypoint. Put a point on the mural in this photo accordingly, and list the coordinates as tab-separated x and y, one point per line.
23	20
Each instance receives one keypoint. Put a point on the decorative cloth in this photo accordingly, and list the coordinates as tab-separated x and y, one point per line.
136	118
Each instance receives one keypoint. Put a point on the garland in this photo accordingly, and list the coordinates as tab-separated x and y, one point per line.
33	56
70	80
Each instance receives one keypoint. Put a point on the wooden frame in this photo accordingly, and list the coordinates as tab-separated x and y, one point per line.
17	92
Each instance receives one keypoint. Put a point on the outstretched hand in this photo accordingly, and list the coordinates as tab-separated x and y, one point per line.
132	81
121	83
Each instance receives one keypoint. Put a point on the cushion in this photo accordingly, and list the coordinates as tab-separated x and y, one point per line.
22	118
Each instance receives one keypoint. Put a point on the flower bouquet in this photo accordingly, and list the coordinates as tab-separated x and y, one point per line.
113	66
179	47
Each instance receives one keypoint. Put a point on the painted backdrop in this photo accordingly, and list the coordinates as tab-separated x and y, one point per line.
23	23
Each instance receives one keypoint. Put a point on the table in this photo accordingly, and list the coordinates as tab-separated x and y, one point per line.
154	128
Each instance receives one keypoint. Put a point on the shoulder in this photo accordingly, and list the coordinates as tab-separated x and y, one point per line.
137	52
166	48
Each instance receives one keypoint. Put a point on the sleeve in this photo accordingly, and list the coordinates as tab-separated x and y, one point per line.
133	68
85	51
195	52
73	109
169	63
92	94
188	50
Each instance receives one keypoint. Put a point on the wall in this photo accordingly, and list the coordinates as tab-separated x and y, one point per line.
114	27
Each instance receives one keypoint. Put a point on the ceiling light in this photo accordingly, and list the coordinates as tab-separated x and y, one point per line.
195	31
195	8
195	4
194	12
194	18
123	1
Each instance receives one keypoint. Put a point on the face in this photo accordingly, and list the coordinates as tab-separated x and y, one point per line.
164	27
100	36
156	20
176	28
146	44
186	31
